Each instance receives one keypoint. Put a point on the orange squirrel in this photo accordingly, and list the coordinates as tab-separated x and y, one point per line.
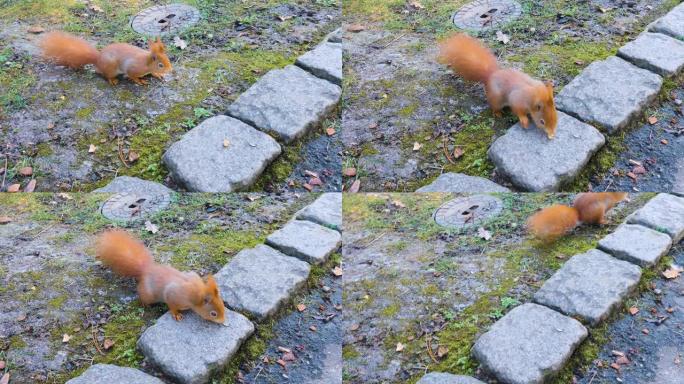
115	59
589	208
127	256
503	87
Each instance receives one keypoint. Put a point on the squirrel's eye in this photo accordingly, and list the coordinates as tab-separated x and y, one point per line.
539	107
161	65
213	313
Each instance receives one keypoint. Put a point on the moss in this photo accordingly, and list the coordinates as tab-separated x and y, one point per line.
390	310
349	352
57	302
16	342
44	149
84	113
15	81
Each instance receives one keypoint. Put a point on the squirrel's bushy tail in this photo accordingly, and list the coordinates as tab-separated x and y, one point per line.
123	253
64	49
553	222
468	57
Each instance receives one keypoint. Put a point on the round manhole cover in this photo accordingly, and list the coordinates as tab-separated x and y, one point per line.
134	206
485	14
163	19
465	211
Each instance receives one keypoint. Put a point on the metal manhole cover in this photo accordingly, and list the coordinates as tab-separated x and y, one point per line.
163	19
485	14
134	206
466	211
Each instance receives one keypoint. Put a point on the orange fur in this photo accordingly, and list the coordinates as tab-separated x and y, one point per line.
115	59
507	87
157	283
589	208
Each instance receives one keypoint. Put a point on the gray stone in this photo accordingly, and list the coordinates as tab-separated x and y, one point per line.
528	345
460	183
324	61
335	36
656	52
305	240
609	93
200	162
134	185
260	280
111	374
678	185
534	163
664	213
447	378
286	102
636	244
326	210
192	349
671	24
589	285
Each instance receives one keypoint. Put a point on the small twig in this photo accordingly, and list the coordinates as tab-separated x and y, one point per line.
374	240
121	153
446	151
592	377
261	368
393	40
41	231
97	345
429	349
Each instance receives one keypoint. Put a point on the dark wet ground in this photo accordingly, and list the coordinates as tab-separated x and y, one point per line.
656	357
318	353
659	148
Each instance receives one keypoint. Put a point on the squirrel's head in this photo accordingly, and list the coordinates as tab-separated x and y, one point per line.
544	110
159	62
211	306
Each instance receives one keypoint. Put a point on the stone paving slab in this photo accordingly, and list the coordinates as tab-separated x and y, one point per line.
202	162
656	52
135	185
286	102
111	374
664	213
324	61
447	378
528	345
637	244
532	162
589	285
678	185
460	183
326	210
191	350
305	240
259	280
671	24
609	93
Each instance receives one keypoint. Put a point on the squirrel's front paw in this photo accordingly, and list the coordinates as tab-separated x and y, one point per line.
178	316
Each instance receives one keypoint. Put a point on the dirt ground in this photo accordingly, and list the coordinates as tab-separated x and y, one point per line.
49	116
417	295
51	285
404	113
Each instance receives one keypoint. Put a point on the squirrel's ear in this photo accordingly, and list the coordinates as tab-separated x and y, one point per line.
211	283
549	84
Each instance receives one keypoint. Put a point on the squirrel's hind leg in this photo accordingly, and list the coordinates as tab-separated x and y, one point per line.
175	312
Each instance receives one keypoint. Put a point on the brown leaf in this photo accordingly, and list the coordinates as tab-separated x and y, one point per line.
288	356
354	327
417	146
108	343
484	234
66	338
226	143
652	120
92	148
5	378
21	317
645	331
356	185
639	170
349	172
631	175
615	366
31	186
301	307
313	328
673	272
400	347
337	271
398	204
133	156
416	4
315	181
633	311
36	29
26	171
664	142
95	8
373	125
622	360
330	131
14	188
356	28
281	363
442	351
458	152
5	220
308	187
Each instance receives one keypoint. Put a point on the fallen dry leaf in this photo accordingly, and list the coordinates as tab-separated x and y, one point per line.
288	356
26	171
133	156
652	120
21	317
108	343
622	360
416	4
633	311
330	131
356	185
226	143
180	43
645	331
673	272
631	175
95	8
301	307
36	29
315	181
14	188
92	148
31	186
442	351
354	327
639	170
66	338
615	366
458	152
400	347
356	28
664	142
284	350
502	37
313	328
337	271
5	220
349	172
483	233
65	196
149	227
417	146
398	204
281	362
308	187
